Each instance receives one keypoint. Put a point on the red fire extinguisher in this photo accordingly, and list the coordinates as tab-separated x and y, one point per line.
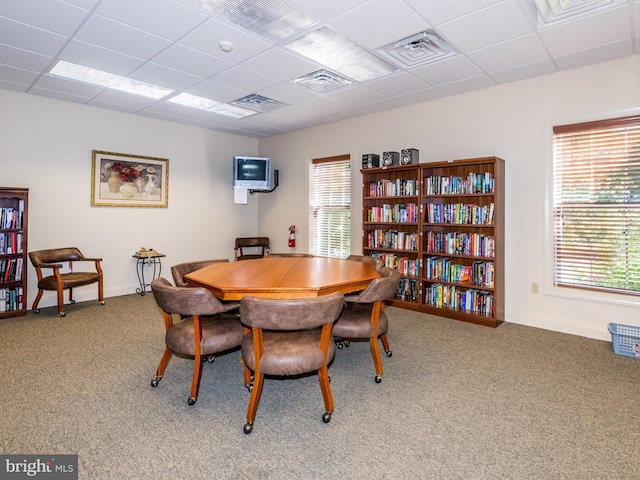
292	236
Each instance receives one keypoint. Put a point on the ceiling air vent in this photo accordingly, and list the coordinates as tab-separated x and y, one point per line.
322	81
419	49
258	103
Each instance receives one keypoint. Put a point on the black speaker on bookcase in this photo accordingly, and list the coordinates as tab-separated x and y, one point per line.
370	160
408	156
390	158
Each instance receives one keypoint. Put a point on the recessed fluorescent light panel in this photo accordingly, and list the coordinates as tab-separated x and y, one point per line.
322	81
201	103
326	47
258	103
272	19
80	73
419	49
550	11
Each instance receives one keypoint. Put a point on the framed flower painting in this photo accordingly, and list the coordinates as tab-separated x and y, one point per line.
123	180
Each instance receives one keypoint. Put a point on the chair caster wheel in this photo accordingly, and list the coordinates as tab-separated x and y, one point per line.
102	302
72	302
249	388
347	343
191	401
388	352
211	358
326	417
378	378
248	428
154	382
37	310
340	346
62	314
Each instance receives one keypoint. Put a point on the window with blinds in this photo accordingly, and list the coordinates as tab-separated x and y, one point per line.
330	207
596	206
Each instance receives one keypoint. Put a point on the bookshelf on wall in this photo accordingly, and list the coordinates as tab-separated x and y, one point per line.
452	258
13	251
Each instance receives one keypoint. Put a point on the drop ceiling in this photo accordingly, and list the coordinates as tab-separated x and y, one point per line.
175	44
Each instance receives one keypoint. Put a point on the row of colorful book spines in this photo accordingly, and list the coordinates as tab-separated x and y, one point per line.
404	265
398	213
459	243
392	239
10	269
460	214
450	296
11	299
388	188
11	218
407	290
451	185
11	243
481	274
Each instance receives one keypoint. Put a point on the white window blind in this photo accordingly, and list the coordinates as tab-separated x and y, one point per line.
330	207
596	170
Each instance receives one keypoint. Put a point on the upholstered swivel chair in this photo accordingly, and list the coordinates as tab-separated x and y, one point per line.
60	279
364	318
203	330
289	337
376	262
261	244
179	271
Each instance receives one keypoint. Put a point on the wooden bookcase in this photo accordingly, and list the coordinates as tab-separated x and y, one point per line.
460	229
14	207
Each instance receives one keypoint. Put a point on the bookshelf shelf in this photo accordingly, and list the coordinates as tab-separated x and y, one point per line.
13	251
466	200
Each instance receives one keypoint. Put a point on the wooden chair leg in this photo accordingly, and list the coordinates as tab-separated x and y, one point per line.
164	361
60	295
258	381
195	382
375	353
385	344
325	386
34	307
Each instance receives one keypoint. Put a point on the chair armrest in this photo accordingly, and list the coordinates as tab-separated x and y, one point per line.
50	265
85	259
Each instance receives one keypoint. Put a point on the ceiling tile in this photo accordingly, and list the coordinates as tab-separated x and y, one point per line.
112	35
507	54
419	96
281	64
52	15
596	54
497	23
136	102
439	11
15	57
165	77
356	95
380	105
288	93
30	38
216	91
378	23
165	18
245	79
17	75
397	84
56	84
606	27
327	9
188	60
467	84
99	58
520	72
447	71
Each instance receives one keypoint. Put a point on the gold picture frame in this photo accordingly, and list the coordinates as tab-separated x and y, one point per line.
123	180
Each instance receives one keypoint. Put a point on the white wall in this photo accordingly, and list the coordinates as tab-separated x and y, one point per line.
46	145
511	121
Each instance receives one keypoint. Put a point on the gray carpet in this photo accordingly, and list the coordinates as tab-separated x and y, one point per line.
457	401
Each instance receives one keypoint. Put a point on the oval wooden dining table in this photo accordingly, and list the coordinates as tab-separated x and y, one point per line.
283	277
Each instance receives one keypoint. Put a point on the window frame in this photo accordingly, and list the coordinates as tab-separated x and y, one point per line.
548	286
349	207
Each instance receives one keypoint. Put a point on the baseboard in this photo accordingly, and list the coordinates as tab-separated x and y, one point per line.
81	294
558	325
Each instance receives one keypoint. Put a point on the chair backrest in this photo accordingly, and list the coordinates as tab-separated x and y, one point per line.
291	255
261	243
184	301
296	314
376	262
181	269
379	289
55	255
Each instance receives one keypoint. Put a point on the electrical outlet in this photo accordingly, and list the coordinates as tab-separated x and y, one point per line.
535	287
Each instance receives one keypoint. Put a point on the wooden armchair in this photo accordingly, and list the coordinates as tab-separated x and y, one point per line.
53	259
261	244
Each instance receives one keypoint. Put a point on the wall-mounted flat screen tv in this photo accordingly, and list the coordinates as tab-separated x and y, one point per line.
253	173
